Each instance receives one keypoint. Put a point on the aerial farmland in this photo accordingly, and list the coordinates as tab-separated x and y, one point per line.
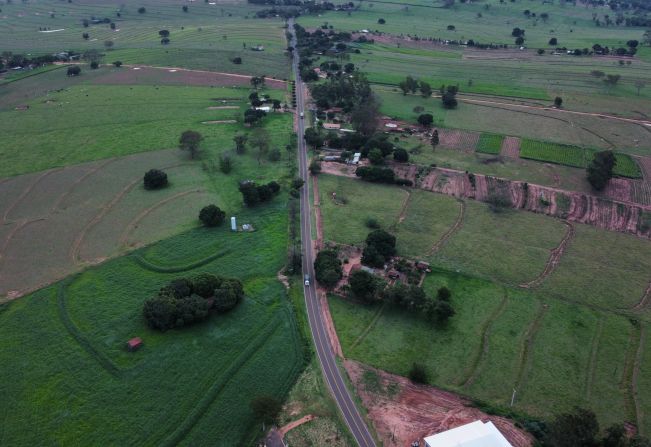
256	222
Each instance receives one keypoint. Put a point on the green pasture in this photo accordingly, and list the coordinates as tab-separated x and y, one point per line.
191	386
90	122
575	156
206	37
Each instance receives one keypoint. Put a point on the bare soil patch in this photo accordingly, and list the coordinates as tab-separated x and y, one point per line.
403	412
165	76
554	258
510	147
458	139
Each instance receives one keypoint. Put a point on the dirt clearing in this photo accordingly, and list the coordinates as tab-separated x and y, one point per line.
403	412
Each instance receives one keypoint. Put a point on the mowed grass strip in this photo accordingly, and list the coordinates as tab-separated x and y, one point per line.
490	143
510	247
575	156
69	397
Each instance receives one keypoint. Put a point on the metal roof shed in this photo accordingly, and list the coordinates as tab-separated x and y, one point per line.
475	434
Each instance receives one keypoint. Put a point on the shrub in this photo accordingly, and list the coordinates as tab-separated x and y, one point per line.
237	60
401	155
118	64
211	216
327	268
74	71
364	286
418	373
204	284
372	223
403	182
94	65
155	179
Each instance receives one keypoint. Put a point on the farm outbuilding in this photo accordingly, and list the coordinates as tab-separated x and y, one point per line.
475	434
134	344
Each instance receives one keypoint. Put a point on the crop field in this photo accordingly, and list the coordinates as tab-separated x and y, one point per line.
91	122
490	143
205	37
575	156
556	355
190	386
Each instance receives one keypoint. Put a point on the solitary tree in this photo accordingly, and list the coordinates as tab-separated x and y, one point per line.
600	170
257	81
108	44
426	119
435	138
425	89
639	85
558	102
74	70
212	216
240	143
117	64
155	179
142	10
164	33
225	163
611	80
190	141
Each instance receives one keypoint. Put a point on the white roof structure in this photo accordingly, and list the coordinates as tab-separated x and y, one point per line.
475	434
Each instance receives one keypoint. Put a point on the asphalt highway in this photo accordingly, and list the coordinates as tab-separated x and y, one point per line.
326	356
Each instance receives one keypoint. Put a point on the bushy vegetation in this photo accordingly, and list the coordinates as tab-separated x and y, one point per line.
254	194
186	301
600	170
211	216
155	179
379	248
327	268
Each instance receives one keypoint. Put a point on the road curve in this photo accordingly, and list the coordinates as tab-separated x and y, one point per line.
324	352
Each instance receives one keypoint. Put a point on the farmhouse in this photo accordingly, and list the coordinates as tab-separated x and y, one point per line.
475	434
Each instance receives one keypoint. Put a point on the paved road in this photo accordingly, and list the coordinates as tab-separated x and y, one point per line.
324	352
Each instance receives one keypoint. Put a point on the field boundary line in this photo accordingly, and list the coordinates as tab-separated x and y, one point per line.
148	265
592	362
370	326
131	225
259	339
26	192
644	302
403	210
76	334
65	195
554	257
452	230
628	376
483	348
527	346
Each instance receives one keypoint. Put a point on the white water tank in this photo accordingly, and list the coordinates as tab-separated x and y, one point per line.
233	224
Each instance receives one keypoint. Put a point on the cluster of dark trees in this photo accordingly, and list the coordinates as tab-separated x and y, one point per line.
74	70
190	141
211	216
411	85
185	301
295	8
327	268
379	247
95	21
155	179
11	60
253	116
254	194
600	170
376	174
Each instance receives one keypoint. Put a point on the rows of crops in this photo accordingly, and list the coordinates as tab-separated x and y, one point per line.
490	143
575	156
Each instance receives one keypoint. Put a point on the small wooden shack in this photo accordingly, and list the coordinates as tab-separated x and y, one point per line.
134	344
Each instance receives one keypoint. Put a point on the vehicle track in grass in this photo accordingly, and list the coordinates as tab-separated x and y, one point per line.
403	210
527	346
452	230
639	414
554	258
646	297
370	326
592	363
77	182
628	385
26	191
131	226
473	371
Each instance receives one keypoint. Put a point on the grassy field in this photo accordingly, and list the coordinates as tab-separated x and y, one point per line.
190	386
543	349
91	122
490	144
205	37
575	156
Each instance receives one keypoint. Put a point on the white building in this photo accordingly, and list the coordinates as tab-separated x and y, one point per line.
475	434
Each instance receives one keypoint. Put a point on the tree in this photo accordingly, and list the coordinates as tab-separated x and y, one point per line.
260	140
74	71
577	429
266	408
274	155
364	286
600	170
190	141
313	138
449	100
375	156
257	81
94	65
237	60
142	10
435	139
553	41
375	174
185	8
327	268
229	293
108	44
381	21
425	89
611	80
225	163
252	116
276	105
165	40
240	143
164	33
558	102
204	284
117	64
418	373
519	40
401	155
315	167
155	179
86	36
298	183
380	246
250	194
444	294
404	86
364	117
426	119
211	216
412	84
639	85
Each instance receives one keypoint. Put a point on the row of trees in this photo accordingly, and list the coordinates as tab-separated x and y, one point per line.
254	194
186	301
